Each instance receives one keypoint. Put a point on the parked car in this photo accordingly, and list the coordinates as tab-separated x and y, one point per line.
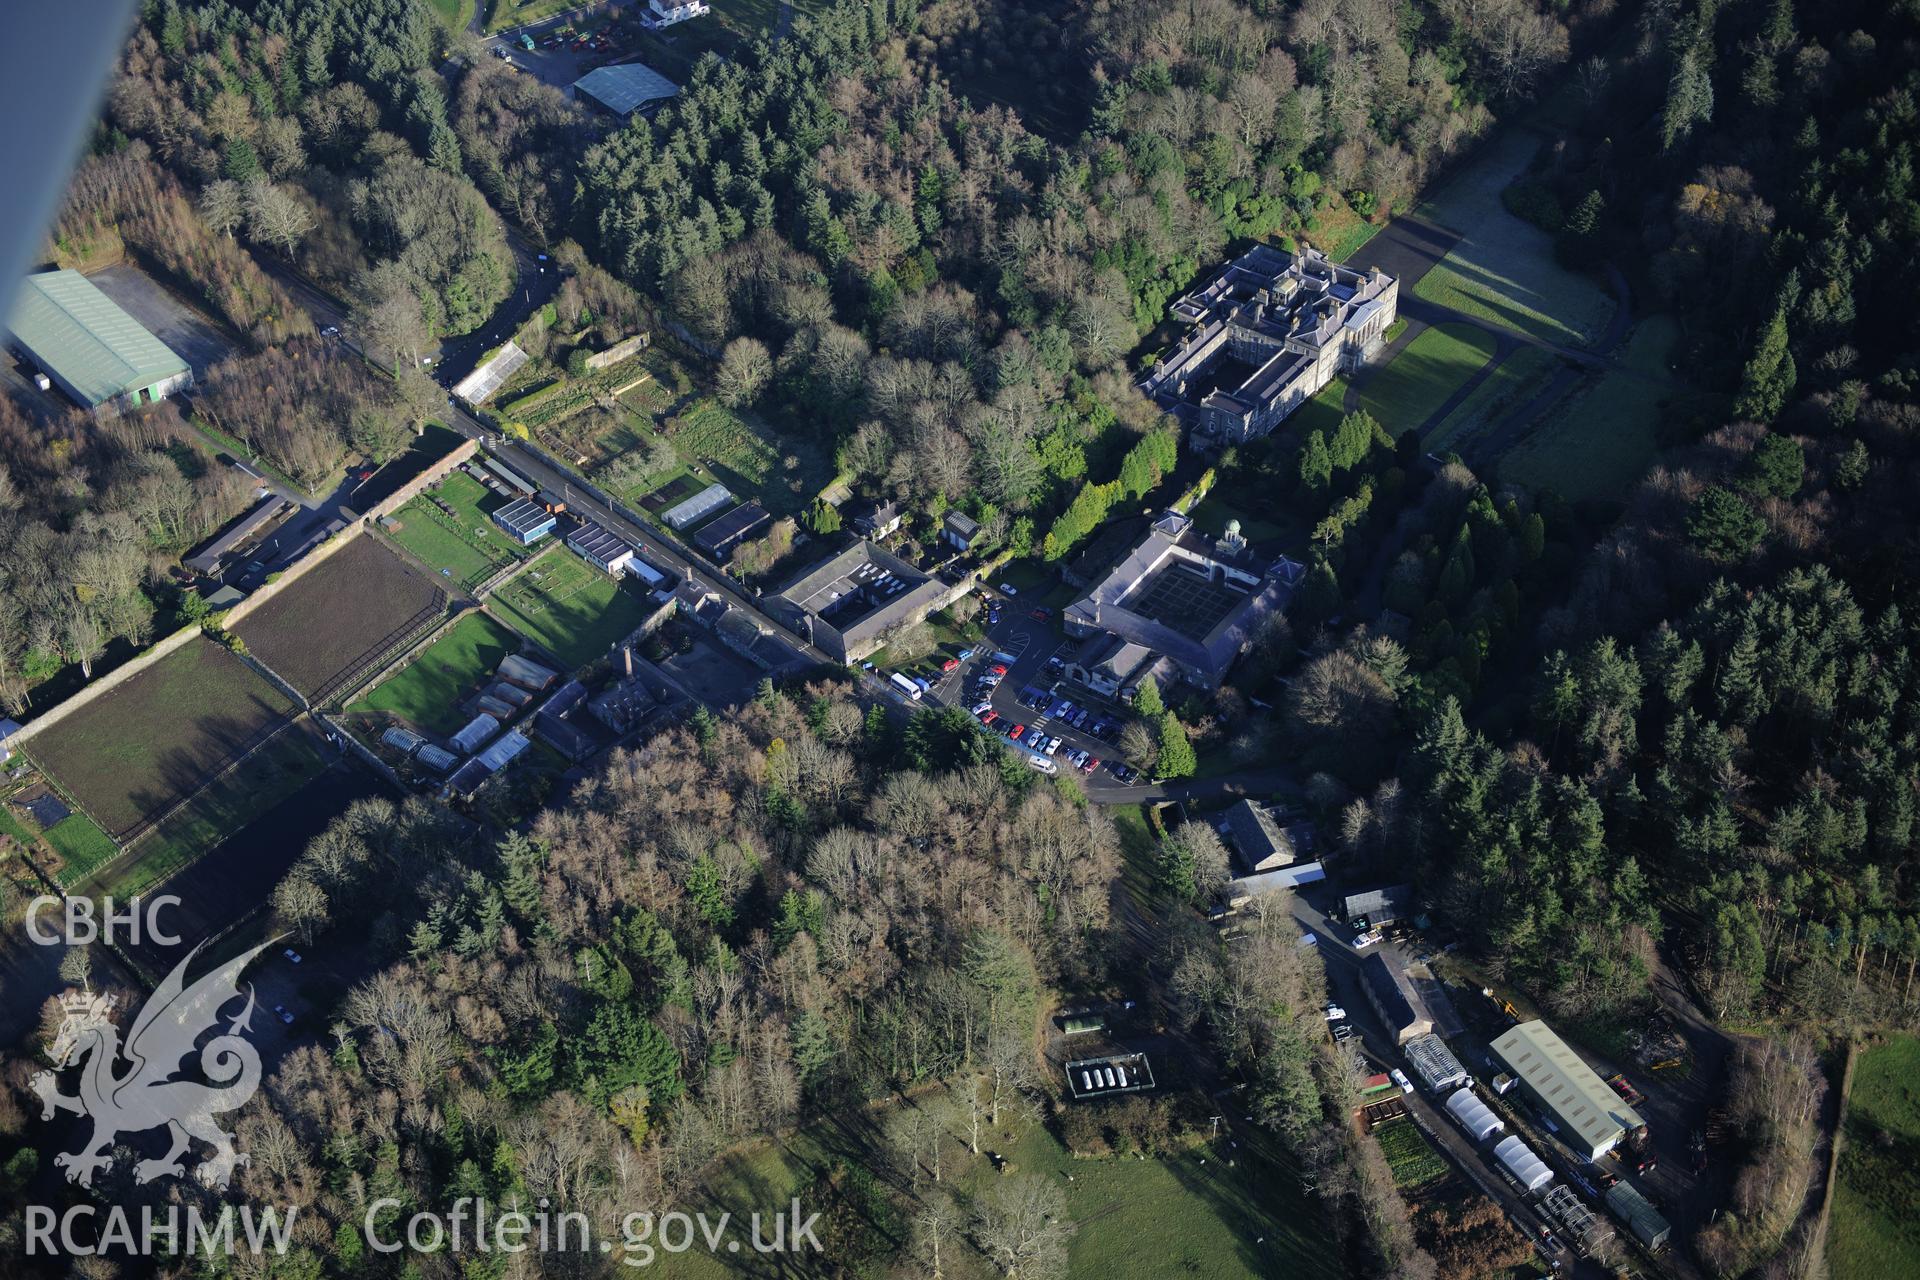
951	664
998	669
978	707
1400	1078
1053	745
1017	731
989	716
1008	589
1090	764
1039	615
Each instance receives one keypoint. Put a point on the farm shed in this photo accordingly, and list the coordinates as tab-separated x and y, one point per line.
1528	1169
1394	998
1591	1117
478	730
698	507
89	347
624	89
526	673
467	778
1632	1208
719	538
608	552
1435	1064
505	751
1474	1115
526	522
1379	906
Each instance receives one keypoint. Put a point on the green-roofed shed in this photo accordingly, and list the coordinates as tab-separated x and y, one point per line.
624	89
83	341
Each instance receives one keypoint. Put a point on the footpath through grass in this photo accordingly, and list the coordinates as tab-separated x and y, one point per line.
1876	1206
428	692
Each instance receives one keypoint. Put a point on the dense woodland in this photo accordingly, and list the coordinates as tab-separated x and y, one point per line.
1674	732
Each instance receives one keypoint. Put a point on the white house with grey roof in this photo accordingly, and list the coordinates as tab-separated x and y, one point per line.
1265	334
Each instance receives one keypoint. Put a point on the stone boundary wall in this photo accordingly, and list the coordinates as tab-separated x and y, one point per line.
426	480
292	574
624	349
125	671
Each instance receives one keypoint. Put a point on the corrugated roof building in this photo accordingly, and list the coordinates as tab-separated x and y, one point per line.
1632	1208
1394	998
624	89
84	342
1591	1118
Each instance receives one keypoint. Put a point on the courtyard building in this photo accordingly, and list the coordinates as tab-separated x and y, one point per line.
1264	335
850	602
1195	601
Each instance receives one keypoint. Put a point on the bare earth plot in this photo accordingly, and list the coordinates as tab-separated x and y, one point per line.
330	628
145	745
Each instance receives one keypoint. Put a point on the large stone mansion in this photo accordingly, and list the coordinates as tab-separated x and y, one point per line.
1266	333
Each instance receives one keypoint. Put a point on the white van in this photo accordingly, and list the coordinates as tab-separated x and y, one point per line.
905	685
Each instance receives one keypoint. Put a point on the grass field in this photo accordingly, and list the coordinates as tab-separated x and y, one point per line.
429	690
1876	1206
1503	270
464	546
1513	382
569	606
327	629
1411	1157
82	846
1430	368
1188	1214
455	14
1604	440
137	749
285	765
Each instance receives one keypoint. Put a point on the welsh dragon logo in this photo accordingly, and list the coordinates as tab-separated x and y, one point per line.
145	1095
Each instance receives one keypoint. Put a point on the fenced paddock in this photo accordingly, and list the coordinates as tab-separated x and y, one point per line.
331	628
137	751
568	606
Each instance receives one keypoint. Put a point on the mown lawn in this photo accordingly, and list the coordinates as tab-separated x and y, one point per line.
567	605
1503	269
1602	442
1876	1206
1322	413
1513	382
464	546
1431	367
428	692
1187	1214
